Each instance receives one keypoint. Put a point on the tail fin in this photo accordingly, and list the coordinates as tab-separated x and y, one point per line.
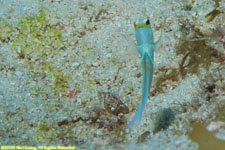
135	122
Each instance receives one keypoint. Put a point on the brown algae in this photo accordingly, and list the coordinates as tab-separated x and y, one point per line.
196	54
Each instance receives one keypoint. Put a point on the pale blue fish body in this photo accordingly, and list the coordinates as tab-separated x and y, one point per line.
146	47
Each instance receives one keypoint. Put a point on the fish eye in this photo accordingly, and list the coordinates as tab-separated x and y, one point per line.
147	22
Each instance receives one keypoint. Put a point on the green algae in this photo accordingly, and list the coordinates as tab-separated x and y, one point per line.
58	81
5	31
46	133
36	42
90	85
36	38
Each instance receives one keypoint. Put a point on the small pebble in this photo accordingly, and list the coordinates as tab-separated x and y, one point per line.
221	134
215	126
